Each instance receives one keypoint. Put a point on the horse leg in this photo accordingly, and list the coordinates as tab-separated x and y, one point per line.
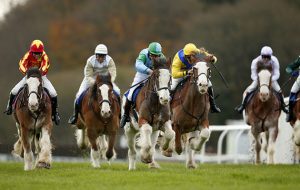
154	137
271	144
130	134
45	156
178	146
257	145
102	144
18	150
95	153
145	132
28	154
190	160
197	143
111	143
297	154
81	138
169	134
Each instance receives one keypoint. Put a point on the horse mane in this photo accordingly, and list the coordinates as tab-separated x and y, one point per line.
100	79
161	63
33	72
264	64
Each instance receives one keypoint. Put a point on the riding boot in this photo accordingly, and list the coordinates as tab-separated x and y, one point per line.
292	100
8	110
282	104
74	117
55	114
213	107
125	117
241	108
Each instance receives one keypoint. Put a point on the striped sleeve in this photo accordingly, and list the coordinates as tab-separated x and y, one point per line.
23	63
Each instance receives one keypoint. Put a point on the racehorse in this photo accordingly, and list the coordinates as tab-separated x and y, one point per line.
295	123
153	111
99	119
190	107
263	111
33	120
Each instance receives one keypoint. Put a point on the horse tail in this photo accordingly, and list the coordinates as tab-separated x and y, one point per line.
81	138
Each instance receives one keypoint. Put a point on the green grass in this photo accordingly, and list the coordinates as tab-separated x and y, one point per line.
170	176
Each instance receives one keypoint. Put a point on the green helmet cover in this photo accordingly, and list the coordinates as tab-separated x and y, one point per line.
155	48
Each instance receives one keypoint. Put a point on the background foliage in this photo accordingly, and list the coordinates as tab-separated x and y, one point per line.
234	30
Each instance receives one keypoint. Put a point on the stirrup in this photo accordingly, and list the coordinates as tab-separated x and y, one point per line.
72	120
215	109
56	118
8	111
239	109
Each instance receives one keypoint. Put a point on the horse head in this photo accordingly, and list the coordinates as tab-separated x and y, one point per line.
33	87
200	76
264	70
103	89
161	76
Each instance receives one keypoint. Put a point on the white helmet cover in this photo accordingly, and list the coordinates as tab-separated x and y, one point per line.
101	49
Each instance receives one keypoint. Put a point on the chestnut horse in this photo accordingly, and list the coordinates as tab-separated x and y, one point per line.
263	111
190	107
153	110
295	123
99	119
33	120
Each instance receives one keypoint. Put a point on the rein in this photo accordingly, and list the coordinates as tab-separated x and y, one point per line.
187	111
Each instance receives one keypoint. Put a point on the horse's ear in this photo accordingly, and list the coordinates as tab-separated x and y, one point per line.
169	63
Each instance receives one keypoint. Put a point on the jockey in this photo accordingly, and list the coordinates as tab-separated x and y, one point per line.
293	68
36	57
99	63
184	60
143	66
266	54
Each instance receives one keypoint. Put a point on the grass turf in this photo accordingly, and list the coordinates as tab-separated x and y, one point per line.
170	176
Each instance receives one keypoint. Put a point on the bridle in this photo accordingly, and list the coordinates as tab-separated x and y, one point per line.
155	89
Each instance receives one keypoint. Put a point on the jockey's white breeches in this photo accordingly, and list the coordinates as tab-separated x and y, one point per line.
85	84
253	86
46	84
296	85
176	81
137	78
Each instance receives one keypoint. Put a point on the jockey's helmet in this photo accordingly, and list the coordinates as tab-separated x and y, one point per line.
190	49
37	46
155	48
101	49
266	50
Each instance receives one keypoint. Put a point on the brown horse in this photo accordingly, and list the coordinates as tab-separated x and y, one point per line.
153	110
262	113
190	107
295	123
33	120
99	118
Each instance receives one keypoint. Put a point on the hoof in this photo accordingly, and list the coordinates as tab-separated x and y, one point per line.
178	150
191	166
43	165
154	165
167	153
146	160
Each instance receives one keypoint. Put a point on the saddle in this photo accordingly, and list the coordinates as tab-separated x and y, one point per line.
179	86
14	105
